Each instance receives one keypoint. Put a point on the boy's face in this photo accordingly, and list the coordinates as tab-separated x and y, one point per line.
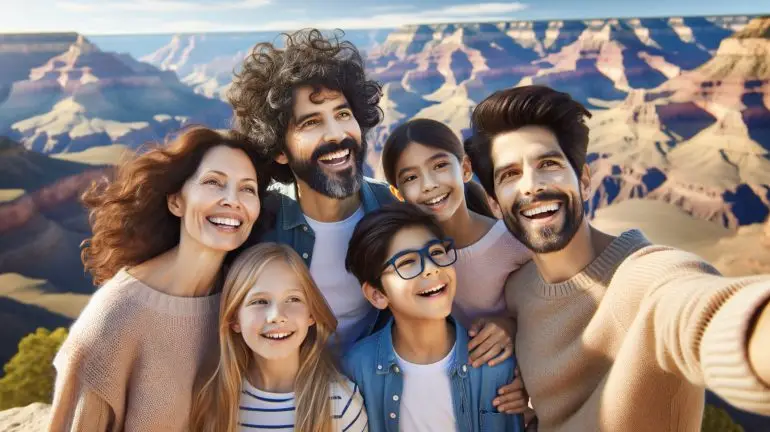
428	295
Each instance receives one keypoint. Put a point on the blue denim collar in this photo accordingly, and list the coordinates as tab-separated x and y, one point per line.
291	213
386	353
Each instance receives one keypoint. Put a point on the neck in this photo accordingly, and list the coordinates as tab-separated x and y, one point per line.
274	375
466	227
423	341
322	208
187	270
585	246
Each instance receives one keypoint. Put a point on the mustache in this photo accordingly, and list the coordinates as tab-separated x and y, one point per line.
328	147
542	196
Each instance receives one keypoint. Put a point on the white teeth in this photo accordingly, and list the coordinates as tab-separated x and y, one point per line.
335	155
432	290
541	209
225	221
437	200
277	335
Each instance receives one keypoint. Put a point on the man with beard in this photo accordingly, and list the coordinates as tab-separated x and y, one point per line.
614	333
308	106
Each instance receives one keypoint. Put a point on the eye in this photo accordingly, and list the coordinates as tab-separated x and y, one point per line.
309	123
294	299
212	181
249	189
549	164
260	302
345	115
441	165
405	262
408	178
437	251
507	174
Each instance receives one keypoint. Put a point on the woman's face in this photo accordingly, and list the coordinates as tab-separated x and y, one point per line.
274	317
219	204
431	178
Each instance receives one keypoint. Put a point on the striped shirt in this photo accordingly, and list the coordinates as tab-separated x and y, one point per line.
261	410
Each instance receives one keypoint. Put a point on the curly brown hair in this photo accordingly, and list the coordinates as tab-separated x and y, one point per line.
129	214
262	93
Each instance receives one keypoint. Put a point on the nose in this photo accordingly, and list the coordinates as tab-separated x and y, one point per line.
428	182
430	268
275	314
230	198
334	131
530	183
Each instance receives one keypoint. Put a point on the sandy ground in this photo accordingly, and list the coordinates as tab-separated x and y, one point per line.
31	418
744	252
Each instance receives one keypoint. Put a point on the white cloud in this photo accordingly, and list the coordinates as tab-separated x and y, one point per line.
159	5
483	8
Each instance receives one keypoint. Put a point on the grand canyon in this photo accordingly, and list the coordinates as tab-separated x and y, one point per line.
680	127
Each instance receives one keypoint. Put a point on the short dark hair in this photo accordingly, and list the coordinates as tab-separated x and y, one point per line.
513	108
262	92
368	247
430	133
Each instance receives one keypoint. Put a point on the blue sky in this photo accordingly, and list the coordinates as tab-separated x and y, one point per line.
172	16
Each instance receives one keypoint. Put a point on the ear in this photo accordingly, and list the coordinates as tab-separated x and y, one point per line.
376	297
467	169
236	327
311	321
282	158
585	182
175	204
495	206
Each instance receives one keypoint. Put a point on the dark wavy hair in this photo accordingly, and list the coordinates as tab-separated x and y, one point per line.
262	92
513	108
129	214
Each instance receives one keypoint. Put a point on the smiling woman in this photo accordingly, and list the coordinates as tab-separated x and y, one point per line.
161	232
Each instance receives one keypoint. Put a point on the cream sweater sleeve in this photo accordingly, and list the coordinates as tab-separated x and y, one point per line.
77	408
697	321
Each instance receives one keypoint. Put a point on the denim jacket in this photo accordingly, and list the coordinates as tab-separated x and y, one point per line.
290	227
371	363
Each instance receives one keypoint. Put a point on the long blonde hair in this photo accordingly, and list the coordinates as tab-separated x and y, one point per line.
215	406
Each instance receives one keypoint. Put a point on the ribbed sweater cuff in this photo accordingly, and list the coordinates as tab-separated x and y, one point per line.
724	353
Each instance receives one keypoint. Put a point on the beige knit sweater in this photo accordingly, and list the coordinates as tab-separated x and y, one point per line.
131	359
630	343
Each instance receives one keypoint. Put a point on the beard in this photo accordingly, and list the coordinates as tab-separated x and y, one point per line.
338	185
550	238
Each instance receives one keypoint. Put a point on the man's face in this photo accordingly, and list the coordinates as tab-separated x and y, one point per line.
324	144
539	193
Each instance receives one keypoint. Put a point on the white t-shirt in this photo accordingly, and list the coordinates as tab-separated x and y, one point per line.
482	269
426	398
340	288
276	411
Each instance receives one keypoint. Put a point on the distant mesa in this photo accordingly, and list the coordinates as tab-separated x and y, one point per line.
84	97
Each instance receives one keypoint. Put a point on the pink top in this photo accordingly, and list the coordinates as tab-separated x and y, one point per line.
482	269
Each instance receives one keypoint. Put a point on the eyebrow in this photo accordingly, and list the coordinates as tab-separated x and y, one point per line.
304	117
225	175
432	158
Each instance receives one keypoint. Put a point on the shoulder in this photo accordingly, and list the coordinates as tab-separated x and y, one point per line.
518	282
382	190
363	351
347	405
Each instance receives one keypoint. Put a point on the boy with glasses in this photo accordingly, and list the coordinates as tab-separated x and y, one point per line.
414	373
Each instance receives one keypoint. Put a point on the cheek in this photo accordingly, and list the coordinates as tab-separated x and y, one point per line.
411	191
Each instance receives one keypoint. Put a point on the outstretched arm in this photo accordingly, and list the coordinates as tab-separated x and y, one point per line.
704	325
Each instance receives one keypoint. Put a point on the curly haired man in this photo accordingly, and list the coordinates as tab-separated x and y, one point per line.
308	106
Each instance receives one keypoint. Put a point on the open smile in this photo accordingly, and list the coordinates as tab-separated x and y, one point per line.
337	160
226	223
277	336
541	211
437	201
434	291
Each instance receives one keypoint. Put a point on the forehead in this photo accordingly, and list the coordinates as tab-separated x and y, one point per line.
276	277
231	161
416	154
522	145
309	98
413	237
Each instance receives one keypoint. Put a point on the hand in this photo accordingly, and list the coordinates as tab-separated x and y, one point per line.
491	341
513	397
759	345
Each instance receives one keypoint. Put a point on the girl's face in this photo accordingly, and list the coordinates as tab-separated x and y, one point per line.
219	204
274	317
433	179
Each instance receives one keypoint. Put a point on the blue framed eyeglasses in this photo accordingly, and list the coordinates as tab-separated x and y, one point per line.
410	263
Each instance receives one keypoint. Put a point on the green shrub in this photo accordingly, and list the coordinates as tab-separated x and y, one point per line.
29	375
718	420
